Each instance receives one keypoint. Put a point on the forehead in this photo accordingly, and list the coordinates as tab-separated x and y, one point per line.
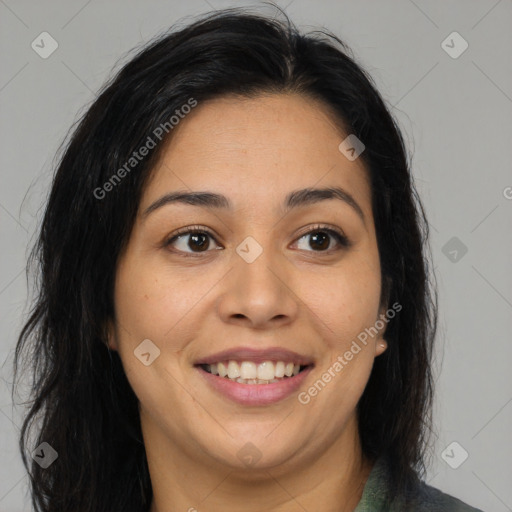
257	149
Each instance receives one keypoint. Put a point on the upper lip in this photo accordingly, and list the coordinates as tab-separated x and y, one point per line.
257	356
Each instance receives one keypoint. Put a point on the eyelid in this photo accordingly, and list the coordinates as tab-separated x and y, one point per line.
327	228
186	231
337	233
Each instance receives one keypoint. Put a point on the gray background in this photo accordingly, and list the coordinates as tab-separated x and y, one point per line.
456	118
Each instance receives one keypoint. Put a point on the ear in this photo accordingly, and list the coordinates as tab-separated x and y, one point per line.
381	323
110	335
380	343
380	347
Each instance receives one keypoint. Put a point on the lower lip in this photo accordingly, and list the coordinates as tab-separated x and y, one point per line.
255	394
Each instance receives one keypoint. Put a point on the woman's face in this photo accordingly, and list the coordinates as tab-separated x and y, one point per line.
252	286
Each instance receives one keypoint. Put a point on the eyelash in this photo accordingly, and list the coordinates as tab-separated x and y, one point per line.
337	235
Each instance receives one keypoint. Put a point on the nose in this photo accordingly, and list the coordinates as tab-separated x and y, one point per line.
260	294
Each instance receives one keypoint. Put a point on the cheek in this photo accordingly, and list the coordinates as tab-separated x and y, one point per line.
150	305
152	300
347	301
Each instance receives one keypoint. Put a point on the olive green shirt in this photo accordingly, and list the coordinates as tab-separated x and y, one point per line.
427	499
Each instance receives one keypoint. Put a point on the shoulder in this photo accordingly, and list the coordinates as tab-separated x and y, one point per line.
430	499
419	498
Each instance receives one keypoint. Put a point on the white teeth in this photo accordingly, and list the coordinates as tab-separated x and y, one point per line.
221	368
254	381
266	370
279	369
248	372
233	370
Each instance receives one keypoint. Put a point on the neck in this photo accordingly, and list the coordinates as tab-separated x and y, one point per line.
331	481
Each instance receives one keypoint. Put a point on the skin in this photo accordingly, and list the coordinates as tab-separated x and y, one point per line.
294	295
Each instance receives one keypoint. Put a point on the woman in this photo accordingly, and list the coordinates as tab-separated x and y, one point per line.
235	310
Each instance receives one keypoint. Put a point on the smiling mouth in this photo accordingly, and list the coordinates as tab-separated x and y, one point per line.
248	372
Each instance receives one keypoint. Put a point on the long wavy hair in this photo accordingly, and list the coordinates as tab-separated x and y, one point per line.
81	402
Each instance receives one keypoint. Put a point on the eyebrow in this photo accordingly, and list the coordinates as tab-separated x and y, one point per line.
295	199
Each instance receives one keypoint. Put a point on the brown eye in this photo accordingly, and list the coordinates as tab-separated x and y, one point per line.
194	241
199	241
320	239
191	241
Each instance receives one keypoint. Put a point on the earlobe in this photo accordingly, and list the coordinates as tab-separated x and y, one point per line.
110	336
111	344
381	347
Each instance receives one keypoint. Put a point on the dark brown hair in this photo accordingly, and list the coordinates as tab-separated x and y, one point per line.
81	398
